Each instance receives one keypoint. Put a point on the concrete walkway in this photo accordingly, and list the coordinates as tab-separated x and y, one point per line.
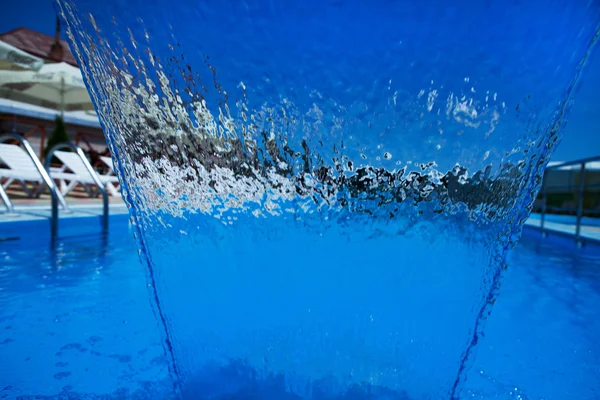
39	209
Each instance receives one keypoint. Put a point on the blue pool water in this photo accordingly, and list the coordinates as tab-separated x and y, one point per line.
78	323
541	340
77	318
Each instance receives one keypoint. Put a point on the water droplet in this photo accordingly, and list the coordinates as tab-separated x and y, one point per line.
387	156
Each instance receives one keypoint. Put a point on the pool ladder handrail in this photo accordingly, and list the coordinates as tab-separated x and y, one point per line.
582	186
91	171
55	194
4	196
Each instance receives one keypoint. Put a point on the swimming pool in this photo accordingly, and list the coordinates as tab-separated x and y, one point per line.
77	322
324	193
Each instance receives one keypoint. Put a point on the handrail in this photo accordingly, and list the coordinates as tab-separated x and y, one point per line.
56	196
90	170
574	162
9	205
562	188
572	209
582	186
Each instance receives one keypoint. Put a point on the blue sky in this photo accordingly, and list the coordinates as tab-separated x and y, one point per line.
581	137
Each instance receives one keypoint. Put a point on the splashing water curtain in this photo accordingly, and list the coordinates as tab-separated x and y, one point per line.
324	192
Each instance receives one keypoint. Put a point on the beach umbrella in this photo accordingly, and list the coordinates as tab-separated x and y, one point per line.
15	59
58	86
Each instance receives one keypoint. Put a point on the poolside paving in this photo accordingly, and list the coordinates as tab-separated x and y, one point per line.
28	209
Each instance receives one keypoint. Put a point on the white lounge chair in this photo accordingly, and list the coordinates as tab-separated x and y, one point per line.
22	169
111	168
109	163
72	162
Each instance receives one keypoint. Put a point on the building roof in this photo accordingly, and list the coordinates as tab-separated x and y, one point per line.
37	44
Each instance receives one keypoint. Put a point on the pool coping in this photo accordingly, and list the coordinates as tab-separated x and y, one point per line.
32	222
27	219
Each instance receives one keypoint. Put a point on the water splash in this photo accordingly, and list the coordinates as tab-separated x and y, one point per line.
320	195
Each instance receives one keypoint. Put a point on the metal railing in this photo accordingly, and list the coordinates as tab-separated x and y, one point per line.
581	187
9	205
90	170
55	194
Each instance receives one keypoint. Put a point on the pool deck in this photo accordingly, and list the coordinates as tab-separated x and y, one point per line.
27	209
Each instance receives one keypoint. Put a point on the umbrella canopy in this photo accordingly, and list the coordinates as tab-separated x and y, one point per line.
59	86
13	58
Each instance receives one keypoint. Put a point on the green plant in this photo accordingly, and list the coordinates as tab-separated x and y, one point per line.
59	135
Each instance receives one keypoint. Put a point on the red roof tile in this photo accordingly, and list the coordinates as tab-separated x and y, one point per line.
36	43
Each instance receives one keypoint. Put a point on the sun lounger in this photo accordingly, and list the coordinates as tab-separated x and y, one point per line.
73	163
22	169
108	161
